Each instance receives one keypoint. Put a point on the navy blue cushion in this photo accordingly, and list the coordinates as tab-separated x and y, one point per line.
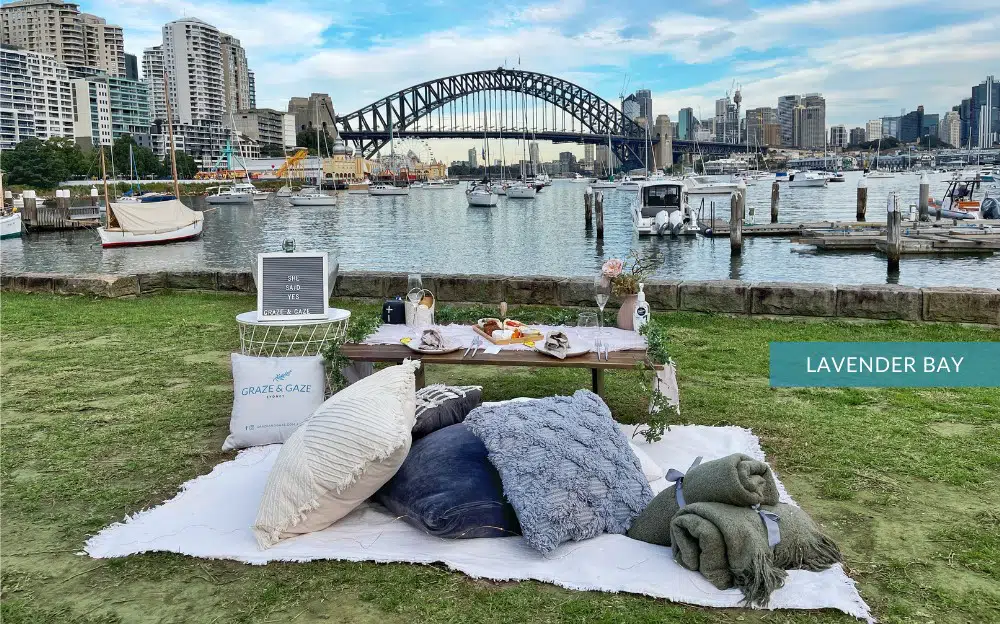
448	488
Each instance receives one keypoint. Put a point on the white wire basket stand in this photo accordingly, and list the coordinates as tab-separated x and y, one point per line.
263	338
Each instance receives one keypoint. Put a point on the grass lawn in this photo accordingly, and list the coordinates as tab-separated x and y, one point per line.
109	405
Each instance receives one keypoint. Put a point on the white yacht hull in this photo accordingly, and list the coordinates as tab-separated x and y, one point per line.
10	226
482	199
604	185
809	182
238	198
521	192
632	187
395	190
313	200
119	238
721	188
876	175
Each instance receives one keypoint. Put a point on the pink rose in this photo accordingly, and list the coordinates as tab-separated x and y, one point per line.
613	268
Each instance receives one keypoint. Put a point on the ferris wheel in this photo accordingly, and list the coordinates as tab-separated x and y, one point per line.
407	154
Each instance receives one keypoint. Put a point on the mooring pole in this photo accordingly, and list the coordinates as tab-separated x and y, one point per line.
893	242
588	207
599	207
775	196
735	226
925	196
862	198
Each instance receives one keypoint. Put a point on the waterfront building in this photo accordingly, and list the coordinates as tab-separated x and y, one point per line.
235	75
930	125
251	81
685	124
588	157
809	122
59	29
950	128
911	125
727	121
152	75
131	67
473	159
264	126
873	129
890	127
645	100
984	114
36	97
857	136
533	156
772	135
602	166
108	107
786	108
632	108
567	161
307	111
838	136
756	120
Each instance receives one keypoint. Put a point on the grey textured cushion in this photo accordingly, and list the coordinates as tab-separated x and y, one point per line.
566	468
440	406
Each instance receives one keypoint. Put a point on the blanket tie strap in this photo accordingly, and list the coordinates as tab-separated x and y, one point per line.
678	478
770	520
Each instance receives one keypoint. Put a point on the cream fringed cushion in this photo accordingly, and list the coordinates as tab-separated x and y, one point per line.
351	446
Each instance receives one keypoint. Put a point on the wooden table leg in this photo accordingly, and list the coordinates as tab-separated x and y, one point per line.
419	375
597	377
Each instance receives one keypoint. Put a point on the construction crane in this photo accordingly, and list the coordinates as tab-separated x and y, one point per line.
292	164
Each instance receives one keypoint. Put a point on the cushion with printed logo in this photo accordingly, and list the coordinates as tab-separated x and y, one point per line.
440	406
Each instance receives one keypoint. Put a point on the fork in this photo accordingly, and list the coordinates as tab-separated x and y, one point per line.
476	343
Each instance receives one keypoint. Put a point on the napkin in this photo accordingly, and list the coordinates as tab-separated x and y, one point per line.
431	340
557	343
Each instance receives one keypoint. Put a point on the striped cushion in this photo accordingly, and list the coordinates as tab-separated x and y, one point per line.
351	446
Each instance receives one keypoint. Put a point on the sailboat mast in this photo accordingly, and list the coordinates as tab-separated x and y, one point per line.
170	129
112	219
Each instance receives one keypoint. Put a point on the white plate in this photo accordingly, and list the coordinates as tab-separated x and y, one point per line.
571	352
414	345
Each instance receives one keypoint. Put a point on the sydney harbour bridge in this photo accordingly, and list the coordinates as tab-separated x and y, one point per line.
511	103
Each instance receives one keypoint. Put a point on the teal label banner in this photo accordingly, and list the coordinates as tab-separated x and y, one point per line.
885	364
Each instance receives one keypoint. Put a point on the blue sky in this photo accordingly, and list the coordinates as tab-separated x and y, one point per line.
867	57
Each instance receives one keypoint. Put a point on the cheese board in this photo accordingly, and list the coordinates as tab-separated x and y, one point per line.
509	341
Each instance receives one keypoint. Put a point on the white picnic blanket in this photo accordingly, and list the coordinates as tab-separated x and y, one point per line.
212	514
463	335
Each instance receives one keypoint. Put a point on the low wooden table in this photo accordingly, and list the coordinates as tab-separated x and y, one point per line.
398	353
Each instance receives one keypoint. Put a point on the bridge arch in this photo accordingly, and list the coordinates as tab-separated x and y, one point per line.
368	127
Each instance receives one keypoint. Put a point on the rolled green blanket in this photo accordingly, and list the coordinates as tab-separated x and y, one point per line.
736	479
729	546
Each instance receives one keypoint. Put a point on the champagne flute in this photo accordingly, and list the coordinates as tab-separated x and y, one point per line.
585	324
415	288
602	291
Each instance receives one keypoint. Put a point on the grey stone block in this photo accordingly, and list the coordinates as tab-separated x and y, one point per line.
151	282
962	305
6	281
123	286
783	298
238	281
90	285
726	296
880	301
576	292
532	290
361	285
662	295
191	280
469	288
33	283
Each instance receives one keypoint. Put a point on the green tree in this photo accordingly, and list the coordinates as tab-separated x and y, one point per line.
271	150
74	160
307	139
146	162
34	163
187	167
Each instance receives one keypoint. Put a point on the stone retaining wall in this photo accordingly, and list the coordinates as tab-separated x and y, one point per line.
879	301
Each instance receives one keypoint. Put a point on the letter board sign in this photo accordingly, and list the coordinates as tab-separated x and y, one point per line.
292	286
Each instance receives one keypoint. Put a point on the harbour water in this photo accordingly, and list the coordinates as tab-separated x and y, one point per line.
435	231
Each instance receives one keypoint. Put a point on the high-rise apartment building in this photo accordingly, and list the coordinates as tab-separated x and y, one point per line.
911	126
873	129
152	75
890	127
857	136
131	67
533	153
253	89
838	136
965	114
809	122
950	128
59	28
984	114
930	125
685	124
235	75
36	97
588	157
264	126
645	100
632	108
786	108
108	107
772	135
473	158
757	119
727	123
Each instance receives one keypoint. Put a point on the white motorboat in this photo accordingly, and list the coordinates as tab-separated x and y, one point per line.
500	189
960	201
520	190
703	185
630	185
10	225
807	179
437	185
835	176
582	180
481	195
313	198
285	191
875	175
358	188
380	190
134	223
229	195
604	184
744	177
247	187
662	209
